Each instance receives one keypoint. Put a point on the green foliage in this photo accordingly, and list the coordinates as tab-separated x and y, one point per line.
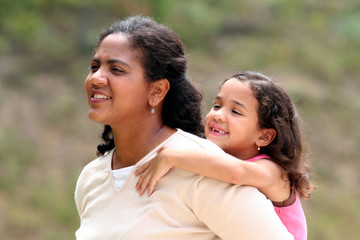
13	165
311	47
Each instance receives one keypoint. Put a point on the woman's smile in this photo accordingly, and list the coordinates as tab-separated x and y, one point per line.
99	97
116	84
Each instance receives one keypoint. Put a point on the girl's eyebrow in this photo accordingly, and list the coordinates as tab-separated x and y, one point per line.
235	102
239	104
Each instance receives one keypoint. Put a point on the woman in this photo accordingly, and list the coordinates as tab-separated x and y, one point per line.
137	88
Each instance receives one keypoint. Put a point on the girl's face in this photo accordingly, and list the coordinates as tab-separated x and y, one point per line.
232	123
116	88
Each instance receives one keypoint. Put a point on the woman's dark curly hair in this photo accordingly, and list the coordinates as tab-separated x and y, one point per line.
162	55
277	110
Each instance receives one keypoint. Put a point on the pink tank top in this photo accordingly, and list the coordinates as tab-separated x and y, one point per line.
292	216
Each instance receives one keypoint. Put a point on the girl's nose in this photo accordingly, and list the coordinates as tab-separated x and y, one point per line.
219	116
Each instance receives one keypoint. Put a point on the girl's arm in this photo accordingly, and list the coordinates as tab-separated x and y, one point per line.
261	174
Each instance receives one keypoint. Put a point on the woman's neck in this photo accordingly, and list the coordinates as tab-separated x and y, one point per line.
133	144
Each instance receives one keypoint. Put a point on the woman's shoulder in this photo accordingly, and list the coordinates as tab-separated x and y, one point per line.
98	165
196	141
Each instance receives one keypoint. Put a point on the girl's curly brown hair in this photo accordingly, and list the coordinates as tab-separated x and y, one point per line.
277	110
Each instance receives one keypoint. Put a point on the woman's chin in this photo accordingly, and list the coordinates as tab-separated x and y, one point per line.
96	117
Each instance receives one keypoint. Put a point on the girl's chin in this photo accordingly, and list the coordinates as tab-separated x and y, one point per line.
214	140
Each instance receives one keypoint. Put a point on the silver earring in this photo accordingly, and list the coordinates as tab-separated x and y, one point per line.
258	148
152	109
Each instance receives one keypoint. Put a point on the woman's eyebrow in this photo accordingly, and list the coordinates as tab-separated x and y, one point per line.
119	62
97	60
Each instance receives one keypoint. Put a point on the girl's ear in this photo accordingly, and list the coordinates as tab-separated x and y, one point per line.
158	91
266	137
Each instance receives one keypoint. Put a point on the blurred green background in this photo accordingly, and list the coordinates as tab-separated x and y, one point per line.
311	47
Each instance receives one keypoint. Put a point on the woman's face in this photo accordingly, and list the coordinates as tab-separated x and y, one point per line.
116	88
232	123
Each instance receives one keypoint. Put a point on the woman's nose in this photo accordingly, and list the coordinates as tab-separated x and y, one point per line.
98	78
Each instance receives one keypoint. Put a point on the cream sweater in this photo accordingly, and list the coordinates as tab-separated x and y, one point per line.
183	206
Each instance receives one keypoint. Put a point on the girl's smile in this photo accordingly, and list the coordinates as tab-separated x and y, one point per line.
232	123
217	130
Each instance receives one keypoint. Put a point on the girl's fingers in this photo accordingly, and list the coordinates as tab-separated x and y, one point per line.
142	168
151	187
147	176
141	180
138	184
144	184
161	149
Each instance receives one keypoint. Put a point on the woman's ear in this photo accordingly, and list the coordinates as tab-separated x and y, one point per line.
267	135
158	91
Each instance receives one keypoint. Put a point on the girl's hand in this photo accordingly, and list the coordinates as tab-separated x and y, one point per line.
152	171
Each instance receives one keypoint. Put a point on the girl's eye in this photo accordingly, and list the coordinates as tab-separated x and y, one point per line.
236	112
216	106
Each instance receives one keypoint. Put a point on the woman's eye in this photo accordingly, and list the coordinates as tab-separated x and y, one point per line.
94	68
117	70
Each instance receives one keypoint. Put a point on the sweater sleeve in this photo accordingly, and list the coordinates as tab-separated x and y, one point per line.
79	192
236	212
93	175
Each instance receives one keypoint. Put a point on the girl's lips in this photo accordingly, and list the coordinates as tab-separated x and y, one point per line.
217	130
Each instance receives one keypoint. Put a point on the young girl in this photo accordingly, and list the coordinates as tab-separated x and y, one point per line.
255	120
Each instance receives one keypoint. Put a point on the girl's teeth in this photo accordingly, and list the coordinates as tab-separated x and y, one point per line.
218	131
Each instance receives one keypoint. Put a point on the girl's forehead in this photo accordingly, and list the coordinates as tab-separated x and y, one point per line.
235	91
236	86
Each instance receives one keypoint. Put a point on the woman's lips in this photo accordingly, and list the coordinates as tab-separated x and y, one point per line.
99	97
